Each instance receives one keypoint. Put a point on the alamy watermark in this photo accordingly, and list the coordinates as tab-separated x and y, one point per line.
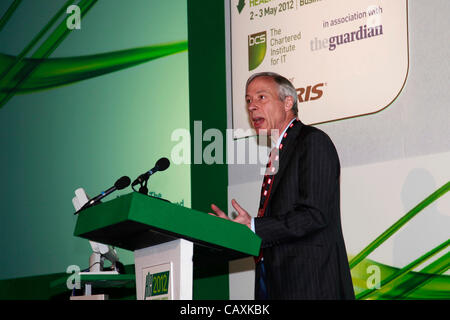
74	280
209	148
73	21
374	280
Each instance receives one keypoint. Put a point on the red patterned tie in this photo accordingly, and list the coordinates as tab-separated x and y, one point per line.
266	187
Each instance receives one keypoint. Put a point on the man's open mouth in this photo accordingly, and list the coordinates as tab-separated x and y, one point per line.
257	122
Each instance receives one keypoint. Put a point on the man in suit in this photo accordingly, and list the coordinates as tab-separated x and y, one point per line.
303	254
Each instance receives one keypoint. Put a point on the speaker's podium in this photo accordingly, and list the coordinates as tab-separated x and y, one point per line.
167	239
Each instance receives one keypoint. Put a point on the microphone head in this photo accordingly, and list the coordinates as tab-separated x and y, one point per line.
122	183
162	164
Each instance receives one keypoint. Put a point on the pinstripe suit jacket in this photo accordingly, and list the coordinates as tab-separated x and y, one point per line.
302	242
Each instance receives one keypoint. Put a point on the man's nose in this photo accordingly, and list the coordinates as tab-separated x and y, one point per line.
252	106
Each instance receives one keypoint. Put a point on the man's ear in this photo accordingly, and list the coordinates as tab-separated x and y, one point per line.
288	103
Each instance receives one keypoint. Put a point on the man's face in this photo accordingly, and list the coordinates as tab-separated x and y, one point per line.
267	111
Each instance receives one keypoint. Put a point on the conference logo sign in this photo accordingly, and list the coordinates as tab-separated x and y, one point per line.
257	46
156	282
157	286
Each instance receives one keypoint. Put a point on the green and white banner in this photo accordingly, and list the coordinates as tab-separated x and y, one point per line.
346	58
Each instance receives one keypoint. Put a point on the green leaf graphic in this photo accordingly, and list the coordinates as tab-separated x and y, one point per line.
9	13
404	283
51	73
400	223
16	74
390	285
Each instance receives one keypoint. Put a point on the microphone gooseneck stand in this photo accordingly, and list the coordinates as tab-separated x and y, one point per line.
143	187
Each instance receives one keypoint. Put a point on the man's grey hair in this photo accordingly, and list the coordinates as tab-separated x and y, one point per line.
285	87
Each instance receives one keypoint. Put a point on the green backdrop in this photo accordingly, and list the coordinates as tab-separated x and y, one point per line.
89	132
80	108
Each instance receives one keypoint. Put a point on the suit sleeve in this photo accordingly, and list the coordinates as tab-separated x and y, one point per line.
318	185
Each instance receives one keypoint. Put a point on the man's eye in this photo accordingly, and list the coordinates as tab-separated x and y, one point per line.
262	97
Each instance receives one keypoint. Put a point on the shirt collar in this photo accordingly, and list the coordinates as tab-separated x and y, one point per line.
282	134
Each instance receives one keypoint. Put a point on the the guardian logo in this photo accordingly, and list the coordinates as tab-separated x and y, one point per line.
257	46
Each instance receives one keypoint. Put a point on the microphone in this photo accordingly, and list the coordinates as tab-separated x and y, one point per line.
120	184
160	165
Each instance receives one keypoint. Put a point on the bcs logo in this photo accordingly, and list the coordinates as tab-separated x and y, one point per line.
310	92
257	46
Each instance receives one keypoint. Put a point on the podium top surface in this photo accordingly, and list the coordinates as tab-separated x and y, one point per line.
135	221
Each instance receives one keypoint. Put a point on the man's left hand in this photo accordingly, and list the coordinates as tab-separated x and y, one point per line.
243	217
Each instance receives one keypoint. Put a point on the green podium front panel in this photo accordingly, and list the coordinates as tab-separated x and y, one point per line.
135	221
